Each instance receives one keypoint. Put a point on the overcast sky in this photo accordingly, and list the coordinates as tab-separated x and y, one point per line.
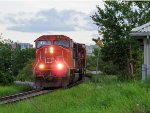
24	21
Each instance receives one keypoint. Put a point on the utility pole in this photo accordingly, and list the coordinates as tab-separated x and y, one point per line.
97	62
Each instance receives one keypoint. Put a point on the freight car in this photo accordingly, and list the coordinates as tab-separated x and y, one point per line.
59	61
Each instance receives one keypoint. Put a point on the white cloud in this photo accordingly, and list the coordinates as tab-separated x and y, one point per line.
21	15
15	6
50	20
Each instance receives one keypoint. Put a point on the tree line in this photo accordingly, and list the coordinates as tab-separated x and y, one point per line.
12	61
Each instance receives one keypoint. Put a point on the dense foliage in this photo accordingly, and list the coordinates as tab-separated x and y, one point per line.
20	58
26	73
91	62
12	61
5	63
115	22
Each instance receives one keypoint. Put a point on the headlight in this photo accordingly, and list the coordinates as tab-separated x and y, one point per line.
60	66
41	66
51	50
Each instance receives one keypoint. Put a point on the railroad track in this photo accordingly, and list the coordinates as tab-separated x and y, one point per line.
22	96
29	94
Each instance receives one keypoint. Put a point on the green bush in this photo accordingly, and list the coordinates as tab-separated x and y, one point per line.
91	62
139	57
147	80
26	73
109	68
91	68
13	60
20	57
6	78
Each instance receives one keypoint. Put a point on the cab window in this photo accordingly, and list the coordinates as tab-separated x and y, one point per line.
43	43
64	43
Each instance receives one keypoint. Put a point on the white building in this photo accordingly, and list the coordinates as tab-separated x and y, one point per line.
90	49
142	33
25	45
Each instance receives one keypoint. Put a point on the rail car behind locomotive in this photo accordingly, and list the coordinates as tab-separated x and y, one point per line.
59	61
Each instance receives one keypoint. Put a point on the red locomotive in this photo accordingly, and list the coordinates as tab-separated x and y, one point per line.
59	61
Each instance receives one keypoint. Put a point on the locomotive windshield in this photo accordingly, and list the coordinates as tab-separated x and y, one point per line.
43	43
64	43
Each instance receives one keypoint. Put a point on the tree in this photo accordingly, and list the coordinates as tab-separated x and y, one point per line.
5	63
12	60
26	73
20	57
115	22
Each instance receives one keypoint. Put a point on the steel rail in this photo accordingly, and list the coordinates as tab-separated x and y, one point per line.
22	96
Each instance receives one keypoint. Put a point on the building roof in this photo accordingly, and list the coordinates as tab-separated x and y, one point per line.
143	30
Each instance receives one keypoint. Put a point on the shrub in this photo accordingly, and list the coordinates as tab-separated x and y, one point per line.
6	78
20	57
91	68
109	68
147	80
26	73
91	62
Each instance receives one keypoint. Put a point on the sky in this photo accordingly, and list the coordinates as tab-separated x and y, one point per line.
24	21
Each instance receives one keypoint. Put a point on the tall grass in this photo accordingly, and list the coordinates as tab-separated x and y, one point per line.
107	96
12	89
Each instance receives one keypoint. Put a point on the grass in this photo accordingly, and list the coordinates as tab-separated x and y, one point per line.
106	96
12	89
91	68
